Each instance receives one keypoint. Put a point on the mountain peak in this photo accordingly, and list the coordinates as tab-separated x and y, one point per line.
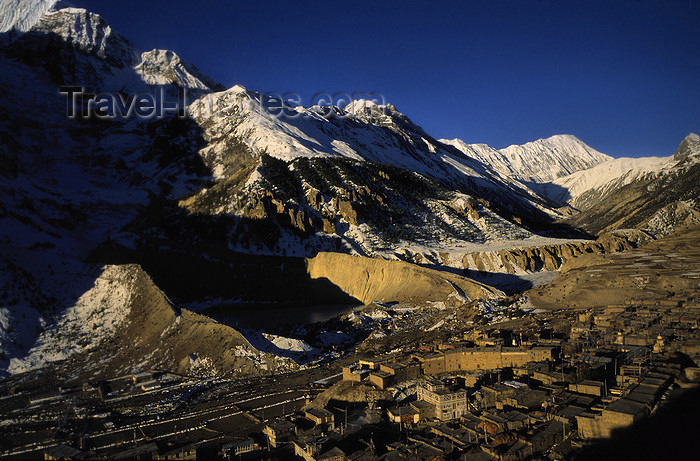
537	161
564	140
164	66
22	15
563	137
360	104
690	146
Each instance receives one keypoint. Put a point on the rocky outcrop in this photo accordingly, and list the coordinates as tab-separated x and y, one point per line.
346	210
550	257
315	199
264	205
374	279
469	208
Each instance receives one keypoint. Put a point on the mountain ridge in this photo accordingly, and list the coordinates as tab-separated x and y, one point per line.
542	160
657	195
188	198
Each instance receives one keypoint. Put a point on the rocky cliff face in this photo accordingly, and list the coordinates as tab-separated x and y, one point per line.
335	204
550	257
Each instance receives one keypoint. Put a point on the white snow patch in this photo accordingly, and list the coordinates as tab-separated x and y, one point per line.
289	344
96	316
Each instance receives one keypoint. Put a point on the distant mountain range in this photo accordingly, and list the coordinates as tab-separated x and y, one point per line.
658	195
230	203
539	161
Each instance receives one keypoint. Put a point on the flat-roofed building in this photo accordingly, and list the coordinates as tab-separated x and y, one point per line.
373	363
239	447
320	416
381	379
449	403
431	364
355	373
482	358
404	414
279	431
402	371
621	413
588	387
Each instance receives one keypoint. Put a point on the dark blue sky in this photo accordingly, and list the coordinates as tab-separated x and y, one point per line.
624	76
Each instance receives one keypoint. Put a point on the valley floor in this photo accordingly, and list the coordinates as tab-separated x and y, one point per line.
610	360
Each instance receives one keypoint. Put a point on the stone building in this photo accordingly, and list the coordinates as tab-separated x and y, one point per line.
449	403
621	413
482	358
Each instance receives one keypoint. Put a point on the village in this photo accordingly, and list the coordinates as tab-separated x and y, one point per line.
542	386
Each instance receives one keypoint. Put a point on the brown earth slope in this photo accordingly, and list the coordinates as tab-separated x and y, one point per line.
665	270
374	279
157	335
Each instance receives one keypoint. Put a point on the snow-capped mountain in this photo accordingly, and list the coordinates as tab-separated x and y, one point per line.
78	194
79	48
229	203
584	188
67	185
22	15
361	177
658	195
360	132
535	162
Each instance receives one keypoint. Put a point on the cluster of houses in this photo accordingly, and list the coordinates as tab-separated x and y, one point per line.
496	394
387	370
479	399
485	400
655	325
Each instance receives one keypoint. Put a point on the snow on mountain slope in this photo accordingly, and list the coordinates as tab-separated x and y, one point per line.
65	187
22	15
657	195
689	148
387	137
96	315
123	309
537	161
378	134
556	156
583	188
50	32
361	179
483	153
163	67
